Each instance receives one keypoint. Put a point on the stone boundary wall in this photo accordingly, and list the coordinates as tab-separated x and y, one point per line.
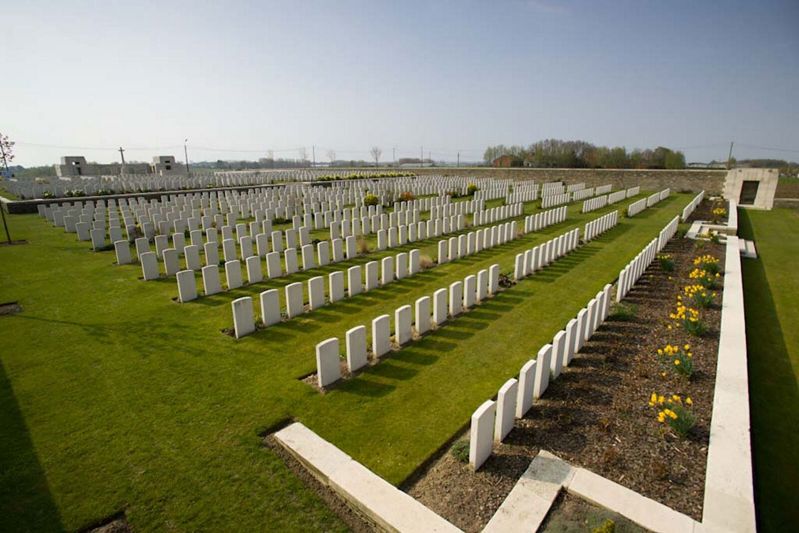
711	181
787	188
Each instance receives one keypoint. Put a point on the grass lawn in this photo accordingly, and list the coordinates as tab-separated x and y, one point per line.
115	397
771	285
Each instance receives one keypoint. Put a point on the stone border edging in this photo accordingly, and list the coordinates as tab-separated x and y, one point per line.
729	494
382	503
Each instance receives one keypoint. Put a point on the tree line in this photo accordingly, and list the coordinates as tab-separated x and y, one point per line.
556	153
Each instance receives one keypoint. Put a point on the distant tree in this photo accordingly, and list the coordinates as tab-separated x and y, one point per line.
7	153
331	154
376	152
303	154
674	160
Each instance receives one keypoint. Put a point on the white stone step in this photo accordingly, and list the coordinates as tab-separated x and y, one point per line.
747	249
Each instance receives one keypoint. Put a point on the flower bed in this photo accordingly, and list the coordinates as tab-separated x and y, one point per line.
622	409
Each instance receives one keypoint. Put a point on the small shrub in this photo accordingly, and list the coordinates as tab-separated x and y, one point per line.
666	262
679	360
688	318
505	281
407	196
714	238
674	412
608	526
624	312
370	199
281	220
698	296
471	189
460	451
362	246
425	262
719	213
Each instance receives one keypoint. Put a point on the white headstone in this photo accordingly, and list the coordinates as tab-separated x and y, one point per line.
381	335
243	321
542	371
328	367
336	282
556	361
149	266
122	249
354	283
294	303
316	292
270	307
525	393
423	315
187	287
402	324
440	306
506	409
481	434
356	348
211	284
233	274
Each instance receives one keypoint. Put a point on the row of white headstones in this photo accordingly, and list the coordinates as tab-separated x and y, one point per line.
403	266
636	207
273	263
558	196
493	420
592	204
447	303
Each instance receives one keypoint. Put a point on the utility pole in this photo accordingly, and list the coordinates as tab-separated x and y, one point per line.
729	156
122	155
459	161
186	153
421	156
394	155
313	155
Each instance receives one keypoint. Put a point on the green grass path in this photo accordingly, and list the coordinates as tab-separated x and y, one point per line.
114	397
771	285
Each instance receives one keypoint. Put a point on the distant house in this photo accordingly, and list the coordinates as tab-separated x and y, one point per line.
507	161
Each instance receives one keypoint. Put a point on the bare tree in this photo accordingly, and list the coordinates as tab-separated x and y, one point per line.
376	152
331	154
7	153
303	154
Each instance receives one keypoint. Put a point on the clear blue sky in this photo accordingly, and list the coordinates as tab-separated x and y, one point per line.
348	75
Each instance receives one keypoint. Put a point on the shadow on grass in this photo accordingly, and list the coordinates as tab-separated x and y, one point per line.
26	503
773	400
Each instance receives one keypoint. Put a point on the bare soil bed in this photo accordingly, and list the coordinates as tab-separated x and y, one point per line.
596	414
570	514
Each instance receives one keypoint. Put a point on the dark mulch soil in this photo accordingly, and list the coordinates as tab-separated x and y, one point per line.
596	414
704	211
570	514
354	520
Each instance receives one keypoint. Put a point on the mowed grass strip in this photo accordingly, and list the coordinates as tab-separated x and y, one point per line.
120	398
771	286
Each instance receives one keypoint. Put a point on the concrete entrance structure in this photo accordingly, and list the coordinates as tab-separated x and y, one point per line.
752	187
